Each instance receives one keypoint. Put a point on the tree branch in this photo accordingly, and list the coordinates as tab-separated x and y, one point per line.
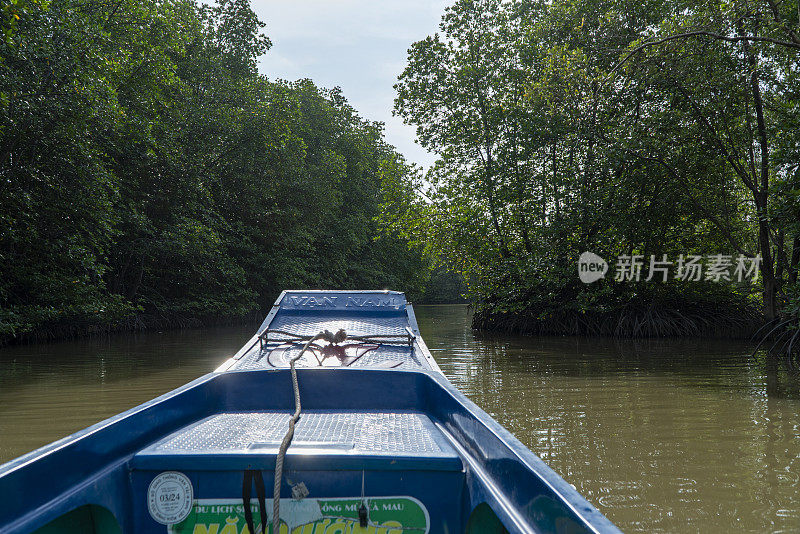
776	15
703	33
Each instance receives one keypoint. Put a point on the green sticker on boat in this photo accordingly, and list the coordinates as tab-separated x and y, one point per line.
387	515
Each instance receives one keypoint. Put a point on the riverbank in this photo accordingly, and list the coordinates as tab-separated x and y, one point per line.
735	318
100	324
654	314
37	326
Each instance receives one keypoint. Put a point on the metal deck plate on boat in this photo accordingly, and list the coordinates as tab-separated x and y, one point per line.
386	436
308	325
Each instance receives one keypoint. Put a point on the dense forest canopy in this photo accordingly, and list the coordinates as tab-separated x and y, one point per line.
150	175
663	129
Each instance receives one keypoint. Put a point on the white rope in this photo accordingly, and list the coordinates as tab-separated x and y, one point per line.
287	439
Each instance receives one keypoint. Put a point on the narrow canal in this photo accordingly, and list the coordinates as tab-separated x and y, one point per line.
671	436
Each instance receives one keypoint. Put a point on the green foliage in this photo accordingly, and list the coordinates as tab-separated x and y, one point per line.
617	127
150	175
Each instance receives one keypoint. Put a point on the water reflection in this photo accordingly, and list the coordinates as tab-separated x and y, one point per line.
48	391
662	435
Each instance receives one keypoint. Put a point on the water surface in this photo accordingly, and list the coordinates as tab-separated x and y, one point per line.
670	436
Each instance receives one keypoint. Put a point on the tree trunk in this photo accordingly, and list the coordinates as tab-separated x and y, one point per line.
492	207
523	221
768	267
767	272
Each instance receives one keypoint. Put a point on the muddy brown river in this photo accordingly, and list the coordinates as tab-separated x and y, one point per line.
662	436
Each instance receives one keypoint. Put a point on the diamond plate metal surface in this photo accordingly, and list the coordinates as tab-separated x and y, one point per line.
308	325
380	432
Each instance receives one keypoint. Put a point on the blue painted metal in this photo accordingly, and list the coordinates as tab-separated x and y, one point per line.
422	438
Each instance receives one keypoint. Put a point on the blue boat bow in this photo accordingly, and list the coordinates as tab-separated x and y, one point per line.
384	444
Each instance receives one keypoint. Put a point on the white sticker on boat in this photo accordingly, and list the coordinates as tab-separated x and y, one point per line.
170	497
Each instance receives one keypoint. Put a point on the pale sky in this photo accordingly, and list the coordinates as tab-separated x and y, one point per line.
358	45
